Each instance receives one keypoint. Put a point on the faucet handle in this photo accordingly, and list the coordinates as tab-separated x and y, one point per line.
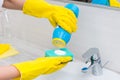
92	52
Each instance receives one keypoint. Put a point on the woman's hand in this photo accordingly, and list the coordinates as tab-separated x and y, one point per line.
57	15
41	66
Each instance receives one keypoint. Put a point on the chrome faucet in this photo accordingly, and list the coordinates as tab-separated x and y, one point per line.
93	56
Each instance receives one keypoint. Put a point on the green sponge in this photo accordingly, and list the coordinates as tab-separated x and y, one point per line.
58	52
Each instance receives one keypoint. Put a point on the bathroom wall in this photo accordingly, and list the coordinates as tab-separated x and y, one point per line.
97	27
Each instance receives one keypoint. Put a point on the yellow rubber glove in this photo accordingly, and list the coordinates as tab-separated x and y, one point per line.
4	48
46	65
57	15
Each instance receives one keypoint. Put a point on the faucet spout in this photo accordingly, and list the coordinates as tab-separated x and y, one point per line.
93	56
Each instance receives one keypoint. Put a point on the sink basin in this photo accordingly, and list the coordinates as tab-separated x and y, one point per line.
73	72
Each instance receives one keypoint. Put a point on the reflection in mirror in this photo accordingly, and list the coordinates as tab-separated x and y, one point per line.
88	1
111	3
115	3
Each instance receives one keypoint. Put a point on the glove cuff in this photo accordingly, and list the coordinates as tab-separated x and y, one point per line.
24	72
37	8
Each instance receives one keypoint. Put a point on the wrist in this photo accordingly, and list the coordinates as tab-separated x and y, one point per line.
40	8
8	72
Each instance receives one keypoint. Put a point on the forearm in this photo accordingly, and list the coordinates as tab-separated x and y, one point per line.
8	72
13	4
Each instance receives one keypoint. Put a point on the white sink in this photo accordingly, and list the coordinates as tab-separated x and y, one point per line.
73	72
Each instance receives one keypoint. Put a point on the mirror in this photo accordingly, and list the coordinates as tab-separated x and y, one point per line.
110	3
